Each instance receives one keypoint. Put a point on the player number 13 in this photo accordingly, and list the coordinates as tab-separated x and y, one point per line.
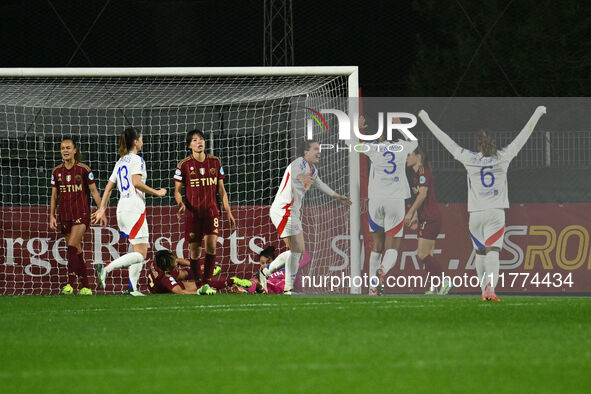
123	177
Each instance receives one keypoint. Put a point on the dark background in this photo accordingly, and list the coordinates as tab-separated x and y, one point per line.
402	48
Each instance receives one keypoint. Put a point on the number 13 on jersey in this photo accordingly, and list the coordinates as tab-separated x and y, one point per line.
122	172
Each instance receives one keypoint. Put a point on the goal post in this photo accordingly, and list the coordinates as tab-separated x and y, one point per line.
247	115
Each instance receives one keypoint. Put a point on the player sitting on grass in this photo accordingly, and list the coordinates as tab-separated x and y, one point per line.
165	277
162	278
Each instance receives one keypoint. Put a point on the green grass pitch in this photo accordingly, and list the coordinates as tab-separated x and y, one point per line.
258	344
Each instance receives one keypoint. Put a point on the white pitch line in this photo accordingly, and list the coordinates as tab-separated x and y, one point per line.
243	307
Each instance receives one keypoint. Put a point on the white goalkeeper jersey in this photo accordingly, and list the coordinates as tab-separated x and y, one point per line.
292	190
387	175
130	199
487	176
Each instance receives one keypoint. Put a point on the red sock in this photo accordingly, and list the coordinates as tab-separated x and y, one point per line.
208	269
432	266
82	272
72	256
196	270
221	283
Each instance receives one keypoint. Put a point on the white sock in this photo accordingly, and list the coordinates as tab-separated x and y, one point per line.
389	260
374	264
492	267
124	261
134	274
480	270
275	265
291	269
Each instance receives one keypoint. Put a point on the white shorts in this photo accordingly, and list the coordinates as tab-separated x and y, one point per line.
286	223
487	228
134	226
387	215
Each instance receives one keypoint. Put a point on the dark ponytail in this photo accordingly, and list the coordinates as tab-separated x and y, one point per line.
126	139
268	252
425	161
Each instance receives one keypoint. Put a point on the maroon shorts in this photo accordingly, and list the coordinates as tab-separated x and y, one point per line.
66	225
197	228
429	229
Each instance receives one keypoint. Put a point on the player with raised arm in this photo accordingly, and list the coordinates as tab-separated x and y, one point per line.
285	213
387	190
202	176
71	182
487	194
129	176
424	216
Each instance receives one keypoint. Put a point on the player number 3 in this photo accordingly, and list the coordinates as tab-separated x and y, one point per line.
391	161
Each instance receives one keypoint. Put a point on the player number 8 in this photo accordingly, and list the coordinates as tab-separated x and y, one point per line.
215	222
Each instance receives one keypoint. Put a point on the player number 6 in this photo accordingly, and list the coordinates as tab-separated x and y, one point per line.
487	174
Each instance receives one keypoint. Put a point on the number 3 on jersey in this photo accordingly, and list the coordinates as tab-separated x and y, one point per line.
487	175
123	177
391	161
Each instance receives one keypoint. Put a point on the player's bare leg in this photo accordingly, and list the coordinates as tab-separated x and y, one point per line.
491	263
74	243
287	241
375	259
296	246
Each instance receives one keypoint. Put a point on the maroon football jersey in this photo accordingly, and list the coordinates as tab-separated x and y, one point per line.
428	211
72	185
201	181
161	282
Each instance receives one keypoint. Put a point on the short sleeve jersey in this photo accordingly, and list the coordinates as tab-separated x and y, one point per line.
72	185
428	211
387	176
201	181
161	282
130	199
291	191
